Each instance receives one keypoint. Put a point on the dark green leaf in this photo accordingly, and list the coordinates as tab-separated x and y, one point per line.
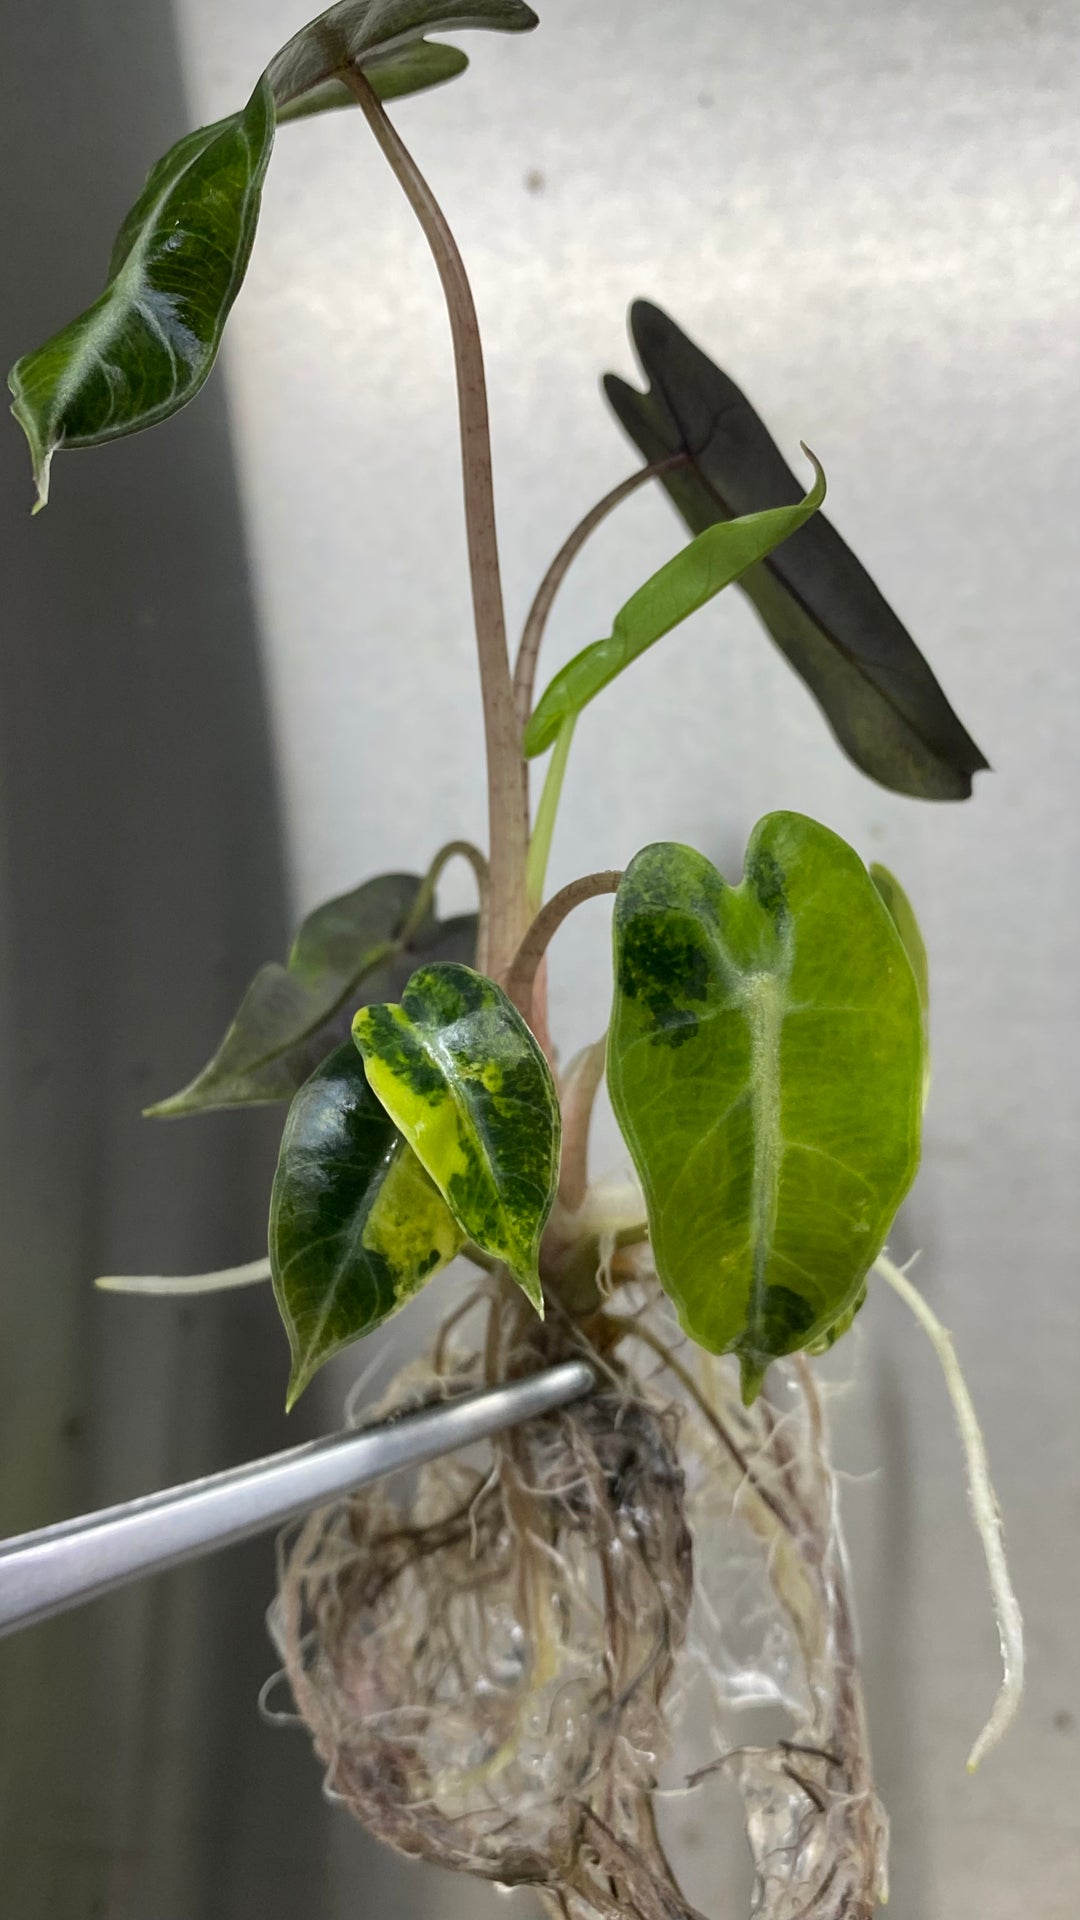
356	1226
711	562
765	1064
814	597
358	946
421	64
146	346
359	32
460	1074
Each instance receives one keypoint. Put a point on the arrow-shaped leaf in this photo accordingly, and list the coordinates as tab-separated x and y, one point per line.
765	1064
814	597
907	926
144	349
146	346
361	945
356	1226
719	555
460	1074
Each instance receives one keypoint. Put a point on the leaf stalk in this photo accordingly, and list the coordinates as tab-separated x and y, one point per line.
506	777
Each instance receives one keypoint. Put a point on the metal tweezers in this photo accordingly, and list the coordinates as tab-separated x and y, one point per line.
57	1567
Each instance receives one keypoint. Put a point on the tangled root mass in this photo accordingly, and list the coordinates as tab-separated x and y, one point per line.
489	1666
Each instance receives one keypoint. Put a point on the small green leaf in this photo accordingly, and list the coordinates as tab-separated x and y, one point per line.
765	1064
711	562
146	346
359	945
380	33
460	1074
356	1226
813	596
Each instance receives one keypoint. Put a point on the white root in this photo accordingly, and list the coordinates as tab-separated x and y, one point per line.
985	1510
186	1283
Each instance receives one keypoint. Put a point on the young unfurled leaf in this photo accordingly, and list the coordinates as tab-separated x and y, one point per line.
460	1074
356	1226
718	556
357	946
146	346
814	597
765	1064
378	35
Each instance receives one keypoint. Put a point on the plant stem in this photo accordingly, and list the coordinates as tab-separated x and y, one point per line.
533	633
544	830
506	776
522	972
425	898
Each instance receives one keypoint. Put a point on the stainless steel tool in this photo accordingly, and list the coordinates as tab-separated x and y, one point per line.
57	1567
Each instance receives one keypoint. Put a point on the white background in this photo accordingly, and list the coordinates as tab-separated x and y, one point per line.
866	215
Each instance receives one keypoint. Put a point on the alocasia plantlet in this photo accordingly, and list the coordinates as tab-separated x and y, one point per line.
767	1065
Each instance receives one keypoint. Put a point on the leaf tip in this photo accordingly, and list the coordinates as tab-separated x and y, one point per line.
752	1370
40	453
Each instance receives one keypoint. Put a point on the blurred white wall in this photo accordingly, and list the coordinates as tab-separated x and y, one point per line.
868	216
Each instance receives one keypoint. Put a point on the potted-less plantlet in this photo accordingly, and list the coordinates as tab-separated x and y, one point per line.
490	1666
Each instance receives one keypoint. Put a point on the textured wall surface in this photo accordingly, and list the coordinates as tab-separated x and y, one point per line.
869	218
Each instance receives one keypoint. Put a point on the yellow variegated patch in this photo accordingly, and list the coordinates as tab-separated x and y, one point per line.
459	1072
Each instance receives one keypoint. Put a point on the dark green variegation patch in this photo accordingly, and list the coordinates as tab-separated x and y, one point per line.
362	946
765	1066
813	596
356	1226
461	1075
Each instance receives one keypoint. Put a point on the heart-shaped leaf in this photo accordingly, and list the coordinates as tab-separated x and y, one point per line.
814	597
356	1226
765	1064
460	1074
377	33
711	562
146	346
361	945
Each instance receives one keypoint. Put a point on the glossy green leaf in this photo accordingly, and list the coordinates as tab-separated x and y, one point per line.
814	597
146	346
144	349
765	1064
414	68
360	946
460	1074
711	562
369	32
356	1226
